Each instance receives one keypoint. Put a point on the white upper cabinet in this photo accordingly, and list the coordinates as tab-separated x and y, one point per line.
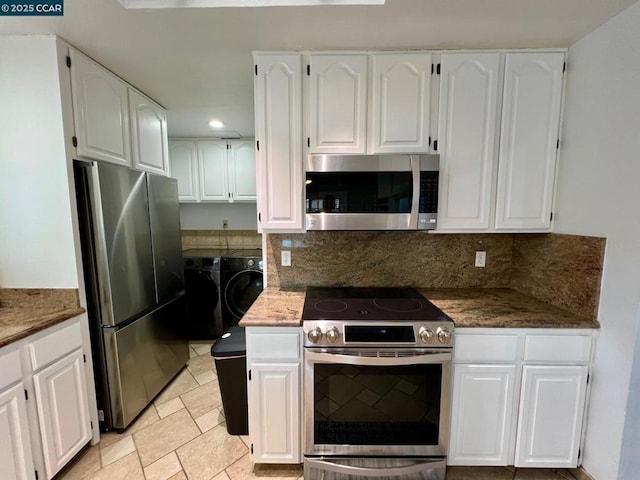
148	134
400	107
212	158
528	142
183	161
338	104
101	112
278	112
467	128
241	173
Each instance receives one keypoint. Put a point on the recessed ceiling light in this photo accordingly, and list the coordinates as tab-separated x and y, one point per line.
241	3
216	124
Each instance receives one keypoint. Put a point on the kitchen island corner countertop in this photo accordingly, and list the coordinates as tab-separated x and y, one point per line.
24	312
467	307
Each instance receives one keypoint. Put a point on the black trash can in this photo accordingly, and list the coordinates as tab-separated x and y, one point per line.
230	355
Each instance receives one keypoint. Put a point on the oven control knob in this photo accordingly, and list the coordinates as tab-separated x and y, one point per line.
426	335
333	335
314	335
444	335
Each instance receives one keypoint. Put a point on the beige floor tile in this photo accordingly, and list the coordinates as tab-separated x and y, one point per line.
183	383
202	399
203	349
210	419
109	438
167	408
206	377
179	476
210	453
201	364
85	463
542	474
164	436
127	468
479	473
243	469
192	353
164	468
246	440
221	476
117	450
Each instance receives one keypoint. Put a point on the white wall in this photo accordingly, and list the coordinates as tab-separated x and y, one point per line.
36	234
598	194
208	216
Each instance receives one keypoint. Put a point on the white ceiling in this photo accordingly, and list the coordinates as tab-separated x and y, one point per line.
197	61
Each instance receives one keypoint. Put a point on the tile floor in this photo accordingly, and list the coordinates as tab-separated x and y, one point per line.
182	435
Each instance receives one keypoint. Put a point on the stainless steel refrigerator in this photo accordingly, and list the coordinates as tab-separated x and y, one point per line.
133	269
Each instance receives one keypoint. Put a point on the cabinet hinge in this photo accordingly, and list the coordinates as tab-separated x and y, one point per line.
551	216
579	452
26	395
588	377
84	358
256	69
557	144
432	68
564	67
91	424
252	448
429	140
308	70
309	142
438	69
258	145
68	61
36	474
435	145
259	217
74	140
249	375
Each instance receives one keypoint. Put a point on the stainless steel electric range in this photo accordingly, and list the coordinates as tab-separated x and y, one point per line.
377	372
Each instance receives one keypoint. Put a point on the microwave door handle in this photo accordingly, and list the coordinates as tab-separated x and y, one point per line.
415	200
429	358
333	466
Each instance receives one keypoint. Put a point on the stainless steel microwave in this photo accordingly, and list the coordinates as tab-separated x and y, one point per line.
371	192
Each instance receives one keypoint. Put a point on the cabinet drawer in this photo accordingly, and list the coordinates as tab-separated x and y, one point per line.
55	345
557	348
265	345
10	368
485	348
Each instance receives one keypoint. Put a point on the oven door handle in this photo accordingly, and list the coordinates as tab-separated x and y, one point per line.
334	466
377	361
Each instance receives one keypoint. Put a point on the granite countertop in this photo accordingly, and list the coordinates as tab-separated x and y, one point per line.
24	312
467	307
275	308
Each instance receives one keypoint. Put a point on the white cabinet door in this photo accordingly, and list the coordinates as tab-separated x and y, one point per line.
212	159
242	170
63	410
274	412
467	130
101	112
278	96
148	134
400	110
482	415
528	143
550	417
338	103
183	163
15	455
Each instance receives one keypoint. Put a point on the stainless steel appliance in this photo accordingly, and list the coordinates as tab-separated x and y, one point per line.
242	281
202	270
371	192
133	268
377	373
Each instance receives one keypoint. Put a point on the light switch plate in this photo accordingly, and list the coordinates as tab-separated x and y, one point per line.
286	258
481	258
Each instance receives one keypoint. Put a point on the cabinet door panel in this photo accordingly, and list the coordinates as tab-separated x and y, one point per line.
148	134
212	156
15	455
528	144
242	171
101	112
399	118
278	96
467	130
482	415
274	413
63	410
183	162
551	414
338	103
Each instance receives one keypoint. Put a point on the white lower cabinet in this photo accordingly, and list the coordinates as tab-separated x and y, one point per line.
44	402
519	398
274	359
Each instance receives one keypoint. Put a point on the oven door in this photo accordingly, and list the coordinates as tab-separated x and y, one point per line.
378	402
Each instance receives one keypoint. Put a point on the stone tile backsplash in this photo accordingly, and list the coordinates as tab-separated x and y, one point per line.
221	239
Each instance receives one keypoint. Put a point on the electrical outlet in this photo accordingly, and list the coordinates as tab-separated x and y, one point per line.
286	258
481	258
225	224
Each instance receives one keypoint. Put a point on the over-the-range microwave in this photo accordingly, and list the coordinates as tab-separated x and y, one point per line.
371	192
